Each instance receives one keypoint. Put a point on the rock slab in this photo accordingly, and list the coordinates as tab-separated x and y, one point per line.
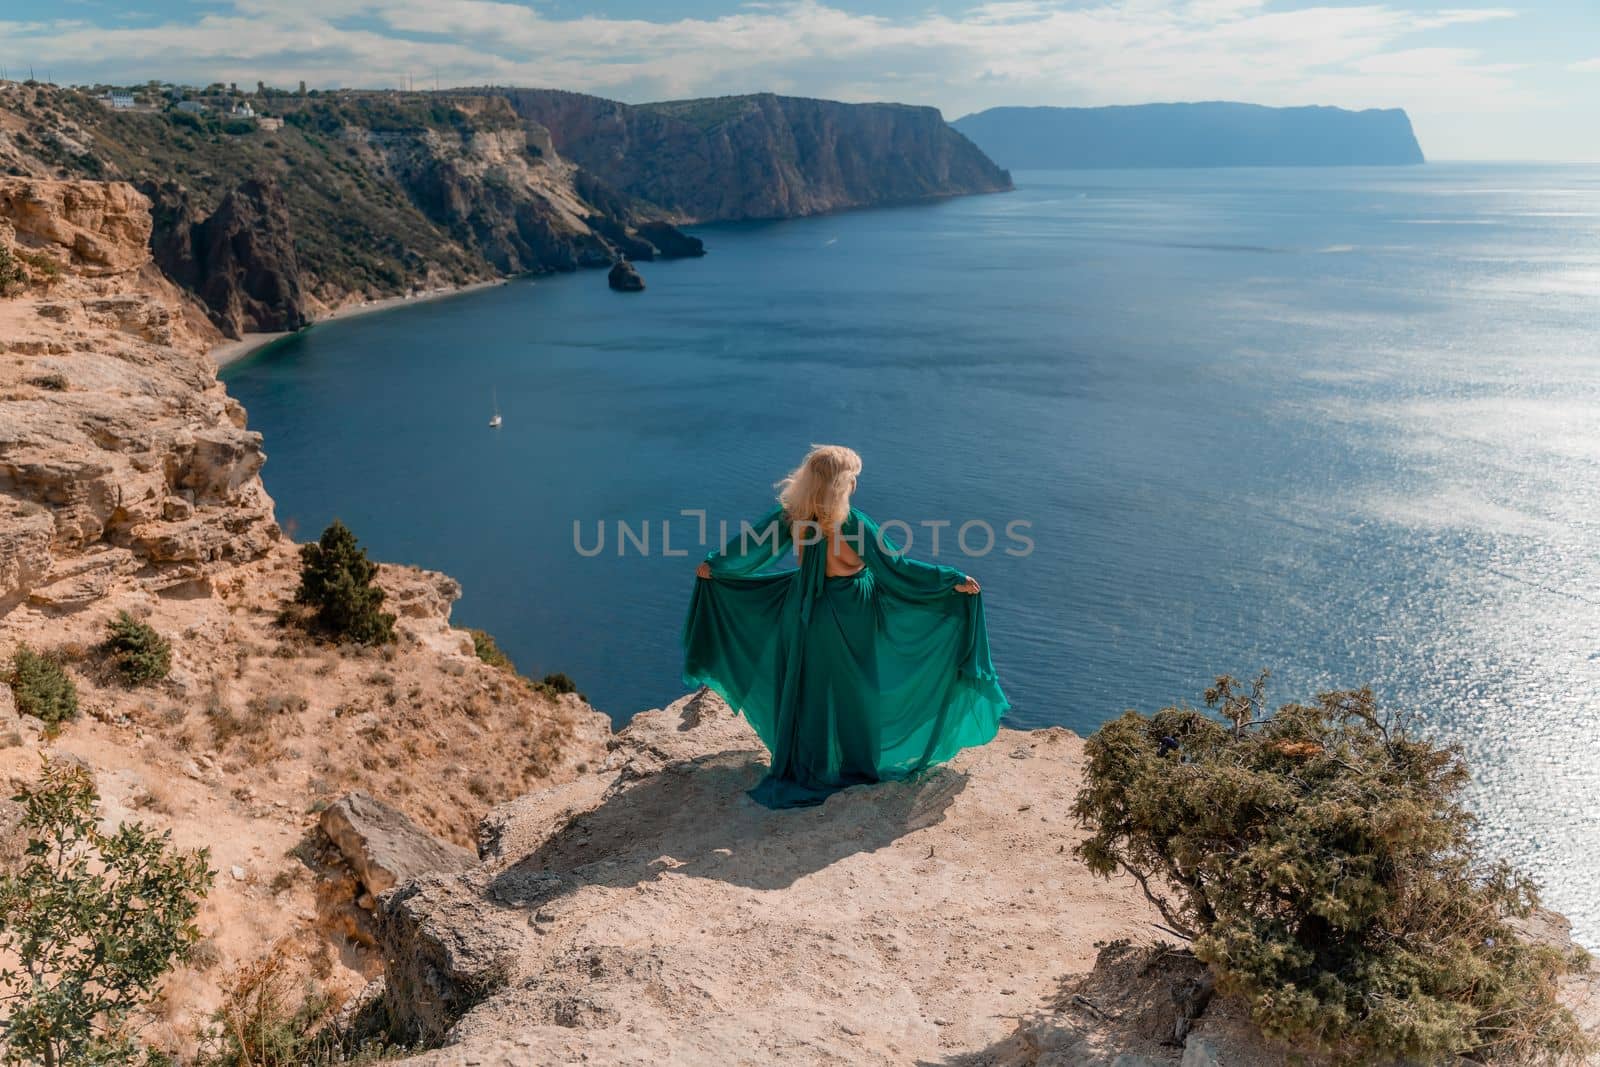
383	846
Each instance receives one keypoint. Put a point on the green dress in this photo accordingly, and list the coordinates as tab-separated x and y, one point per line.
866	678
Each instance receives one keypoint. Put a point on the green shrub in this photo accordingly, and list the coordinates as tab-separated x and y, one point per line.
55	383
483	644
336	581
1323	863
139	654
42	687
12	274
89	925
558	683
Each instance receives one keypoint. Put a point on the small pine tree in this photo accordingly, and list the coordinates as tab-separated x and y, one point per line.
42	687
89	925
139	654
336	580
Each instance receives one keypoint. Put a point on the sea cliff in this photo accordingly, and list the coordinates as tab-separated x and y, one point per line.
341	199
316	202
1191	135
762	156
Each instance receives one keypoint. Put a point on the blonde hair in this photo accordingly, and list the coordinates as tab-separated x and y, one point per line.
819	489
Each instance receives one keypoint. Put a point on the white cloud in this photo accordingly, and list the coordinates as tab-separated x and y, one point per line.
1006	51
1587	65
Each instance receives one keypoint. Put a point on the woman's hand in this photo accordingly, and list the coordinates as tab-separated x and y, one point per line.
703	571
970	586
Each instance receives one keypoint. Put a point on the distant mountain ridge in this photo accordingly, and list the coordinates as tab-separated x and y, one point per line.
1212	134
761	156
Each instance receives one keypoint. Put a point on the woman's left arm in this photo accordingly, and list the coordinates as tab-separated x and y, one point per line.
902	575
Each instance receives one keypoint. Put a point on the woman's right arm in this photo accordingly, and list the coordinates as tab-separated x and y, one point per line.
753	547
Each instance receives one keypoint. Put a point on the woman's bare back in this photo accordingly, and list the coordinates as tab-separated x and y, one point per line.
843	561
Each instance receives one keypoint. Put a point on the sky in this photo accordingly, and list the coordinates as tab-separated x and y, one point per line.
1507	79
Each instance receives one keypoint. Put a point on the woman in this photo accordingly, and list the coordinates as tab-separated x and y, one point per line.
858	666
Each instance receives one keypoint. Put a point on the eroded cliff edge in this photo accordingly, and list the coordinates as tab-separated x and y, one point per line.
649	912
129	481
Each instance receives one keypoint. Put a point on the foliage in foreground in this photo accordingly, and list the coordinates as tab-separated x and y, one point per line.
89	925
263	1022
1323	864
139	654
42	687
336	581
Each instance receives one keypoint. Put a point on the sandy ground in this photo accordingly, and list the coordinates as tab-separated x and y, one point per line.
233	351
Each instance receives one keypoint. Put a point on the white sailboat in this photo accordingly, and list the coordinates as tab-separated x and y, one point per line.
494	420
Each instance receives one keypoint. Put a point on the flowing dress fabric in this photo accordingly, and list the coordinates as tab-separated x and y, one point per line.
848	680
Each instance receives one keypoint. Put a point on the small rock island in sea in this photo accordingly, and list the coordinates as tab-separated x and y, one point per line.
1191	135
625	277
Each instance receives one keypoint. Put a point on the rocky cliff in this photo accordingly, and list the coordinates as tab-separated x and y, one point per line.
326	199
240	261
763	156
345	197
1192	135
129	481
121	457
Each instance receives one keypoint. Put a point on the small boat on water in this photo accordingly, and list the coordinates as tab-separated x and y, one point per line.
494	420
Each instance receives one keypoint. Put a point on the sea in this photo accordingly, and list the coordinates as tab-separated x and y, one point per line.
1339	424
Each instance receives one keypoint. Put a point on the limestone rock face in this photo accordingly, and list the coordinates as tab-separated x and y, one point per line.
93	228
122	460
383	846
761	156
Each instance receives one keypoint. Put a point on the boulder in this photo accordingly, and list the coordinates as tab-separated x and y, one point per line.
26	532
625	277
383	846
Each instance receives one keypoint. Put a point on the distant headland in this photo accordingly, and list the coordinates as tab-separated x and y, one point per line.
1215	134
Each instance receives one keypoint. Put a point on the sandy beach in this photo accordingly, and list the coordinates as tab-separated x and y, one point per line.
233	351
